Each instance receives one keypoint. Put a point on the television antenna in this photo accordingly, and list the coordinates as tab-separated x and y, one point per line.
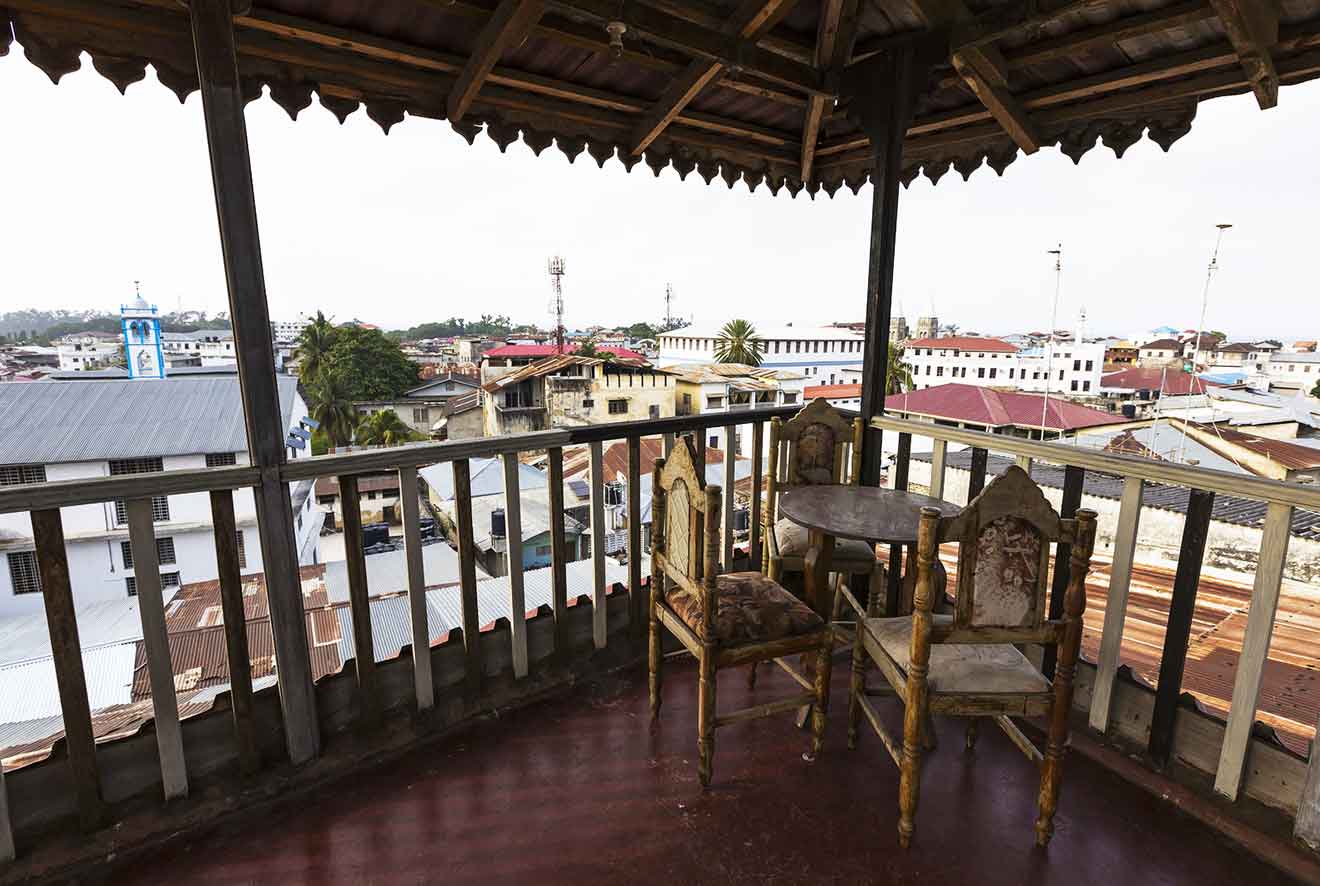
557	271
1200	329
669	303
1049	340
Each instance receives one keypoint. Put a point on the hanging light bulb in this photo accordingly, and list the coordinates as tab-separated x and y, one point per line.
616	30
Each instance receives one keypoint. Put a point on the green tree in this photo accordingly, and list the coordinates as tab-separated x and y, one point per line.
898	377
384	428
332	406
642	330
739	343
1315	391
371	364
314	345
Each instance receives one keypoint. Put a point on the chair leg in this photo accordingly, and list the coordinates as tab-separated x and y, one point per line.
706	717
928	739
655	659
824	661
856	687
751	675
972	724
909	779
1051	776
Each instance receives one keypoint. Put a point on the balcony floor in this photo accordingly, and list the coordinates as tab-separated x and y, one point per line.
579	790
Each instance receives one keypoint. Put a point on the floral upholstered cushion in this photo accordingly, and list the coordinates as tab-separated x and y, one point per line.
749	608
794	541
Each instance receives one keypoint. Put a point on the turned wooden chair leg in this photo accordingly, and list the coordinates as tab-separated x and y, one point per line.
1051	767
928	740
909	779
706	717
655	659
856	687
751	675
822	684
972	724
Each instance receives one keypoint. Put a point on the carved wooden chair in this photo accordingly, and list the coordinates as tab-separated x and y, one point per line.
724	620
966	664
816	447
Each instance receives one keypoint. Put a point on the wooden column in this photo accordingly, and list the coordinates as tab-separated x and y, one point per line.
359	603
730	477
236	209
599	624
66	656
558	554
467	575
1178	632
881	93
513	534
1120	580
236	644
755	528
939	452
637	600
1073	480
976	472
410	505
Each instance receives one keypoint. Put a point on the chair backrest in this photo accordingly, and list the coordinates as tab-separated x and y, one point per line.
1004	537
685	521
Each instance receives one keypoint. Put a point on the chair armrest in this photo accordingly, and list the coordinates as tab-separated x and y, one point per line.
847	596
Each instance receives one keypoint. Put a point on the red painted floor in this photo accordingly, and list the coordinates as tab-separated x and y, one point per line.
580	790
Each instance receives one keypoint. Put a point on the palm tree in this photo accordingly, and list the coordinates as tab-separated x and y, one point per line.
898	377
384	428
314	348
332	406
739	343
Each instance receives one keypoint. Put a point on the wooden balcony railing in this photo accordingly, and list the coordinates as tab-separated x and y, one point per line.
475	671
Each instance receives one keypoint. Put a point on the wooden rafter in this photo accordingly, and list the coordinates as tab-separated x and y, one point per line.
834	36
752	18
1252	27
507	27
985	72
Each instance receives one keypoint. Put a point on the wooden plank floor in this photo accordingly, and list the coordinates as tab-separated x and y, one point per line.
580	790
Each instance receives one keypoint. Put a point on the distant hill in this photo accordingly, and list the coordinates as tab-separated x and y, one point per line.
36	326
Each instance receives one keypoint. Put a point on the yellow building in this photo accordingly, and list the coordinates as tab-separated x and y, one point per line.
568	390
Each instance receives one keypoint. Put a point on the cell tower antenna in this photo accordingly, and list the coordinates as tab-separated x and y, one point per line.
1049	339
669	304
556	267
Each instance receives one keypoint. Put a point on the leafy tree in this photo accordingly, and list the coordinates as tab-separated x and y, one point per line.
642	330
320	442
489	324
739	343
898	377
332	406
314	344
370	364
1315	391
384	428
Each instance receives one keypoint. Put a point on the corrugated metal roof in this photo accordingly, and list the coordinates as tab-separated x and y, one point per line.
70	421
995	408
387	571
28	690
487	478
24	637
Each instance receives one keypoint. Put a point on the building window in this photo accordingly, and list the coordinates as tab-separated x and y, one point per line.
242	548
1074	384
18	475
980	372
1077	366
543	550
120	466
130	585
790	397
715	402
23	572
714	442
1086	386
169	580
160	510
220	459
1089	364
653	411
618	407
421	416
164	552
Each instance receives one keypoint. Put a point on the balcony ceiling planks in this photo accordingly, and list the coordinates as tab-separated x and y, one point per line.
734	89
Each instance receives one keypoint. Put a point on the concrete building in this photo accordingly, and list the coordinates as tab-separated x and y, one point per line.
460	419
1286	370
1072	369
204	347
730	387
987	362
927	327
82	351
847	396
568	391
999	412
820	354
1160	353
98	427
898	329
504	359
288	331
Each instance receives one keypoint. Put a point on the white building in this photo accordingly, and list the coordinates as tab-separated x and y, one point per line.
287	331
97	427
987	362
1067	368
204	347
1284	369
822	354
82	351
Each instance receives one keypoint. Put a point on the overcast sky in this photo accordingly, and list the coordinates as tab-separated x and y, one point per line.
100	190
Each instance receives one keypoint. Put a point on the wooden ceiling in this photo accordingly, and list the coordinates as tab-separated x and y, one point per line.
734	89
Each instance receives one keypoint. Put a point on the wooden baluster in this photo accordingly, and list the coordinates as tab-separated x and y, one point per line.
1024	462
66	655
730	477
156	642
1306	825
7	852
939	451
1120	579
772	493
599	622
638	603
755	529
467	574
359	603
894	574
1255	648
513	532
558	553
976	472
236	645
902	462
1074	478
409	500
1179	629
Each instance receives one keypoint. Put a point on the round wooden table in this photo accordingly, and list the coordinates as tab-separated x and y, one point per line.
864	513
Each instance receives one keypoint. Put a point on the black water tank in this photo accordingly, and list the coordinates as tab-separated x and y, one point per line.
1129	410
741	520
375	534
497	529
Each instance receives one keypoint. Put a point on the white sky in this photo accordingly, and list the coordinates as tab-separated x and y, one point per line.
101	189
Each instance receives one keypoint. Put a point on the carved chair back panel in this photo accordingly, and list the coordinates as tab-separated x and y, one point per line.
1007	578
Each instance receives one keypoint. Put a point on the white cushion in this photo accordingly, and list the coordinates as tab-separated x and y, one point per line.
794	541
957	669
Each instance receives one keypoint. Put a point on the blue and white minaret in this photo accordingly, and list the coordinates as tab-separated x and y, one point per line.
142	348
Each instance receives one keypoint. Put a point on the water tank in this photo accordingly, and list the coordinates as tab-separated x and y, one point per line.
375	534
426	527
741	520
497	529
1129	410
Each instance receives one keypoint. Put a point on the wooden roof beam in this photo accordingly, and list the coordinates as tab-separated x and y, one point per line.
750	20
510	24
985	72
835	34
1252	26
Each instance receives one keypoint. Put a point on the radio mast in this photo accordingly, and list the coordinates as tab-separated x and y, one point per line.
556	267
669	303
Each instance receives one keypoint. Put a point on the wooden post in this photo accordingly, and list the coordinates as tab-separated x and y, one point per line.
236	644
599	623
639	605
6	828
881	94
1179	629
467	575
1074	478
513	534
976	473
156	642
409	500
902	462
1255	648
939	452
1306	825
66	656
236	209
730	477
1120	579
558	554
754	538
359	602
